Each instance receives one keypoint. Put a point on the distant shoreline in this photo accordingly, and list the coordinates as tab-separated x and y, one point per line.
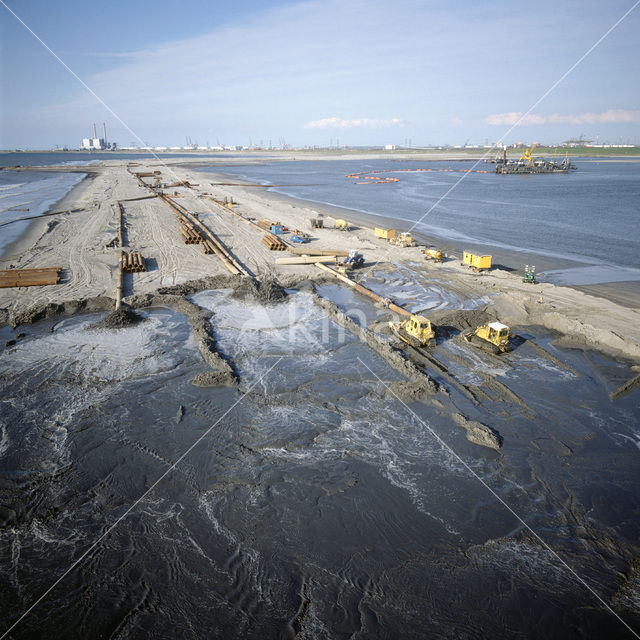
617	154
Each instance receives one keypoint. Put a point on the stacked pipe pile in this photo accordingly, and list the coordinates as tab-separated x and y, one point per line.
29	277
210	243
132	262
273	243
208	247
147	174
270	240
190	235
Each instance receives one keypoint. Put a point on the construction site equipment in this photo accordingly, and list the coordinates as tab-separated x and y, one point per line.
416	331
306	260
29	277
190	221
317	223
385	234
354	260
300	239
477	263
403	239
363	290
277	229
132	262
529	274
300	251
527	158
492	337
432	253
273	243
341	225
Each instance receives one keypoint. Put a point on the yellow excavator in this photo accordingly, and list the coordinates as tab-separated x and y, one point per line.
492	337
416	331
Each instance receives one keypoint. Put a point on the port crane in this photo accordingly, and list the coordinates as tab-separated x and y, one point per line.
527	158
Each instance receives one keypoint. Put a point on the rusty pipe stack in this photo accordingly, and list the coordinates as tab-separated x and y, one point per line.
273	243
270	240
29	277
190	235
132	262
209	241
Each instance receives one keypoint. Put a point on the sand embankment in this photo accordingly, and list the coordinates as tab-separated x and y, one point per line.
79	243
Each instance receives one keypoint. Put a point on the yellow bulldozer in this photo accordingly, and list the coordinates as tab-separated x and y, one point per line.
403	239
492	337
416	331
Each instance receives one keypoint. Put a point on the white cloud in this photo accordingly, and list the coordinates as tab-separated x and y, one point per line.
363	123
513	117
610	116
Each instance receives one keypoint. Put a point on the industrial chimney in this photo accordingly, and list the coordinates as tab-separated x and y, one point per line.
95	135
104	128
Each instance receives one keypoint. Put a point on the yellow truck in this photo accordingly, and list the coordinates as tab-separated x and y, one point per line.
433	253
385	234
477	263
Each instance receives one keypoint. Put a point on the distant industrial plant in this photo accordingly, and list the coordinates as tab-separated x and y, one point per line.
97	144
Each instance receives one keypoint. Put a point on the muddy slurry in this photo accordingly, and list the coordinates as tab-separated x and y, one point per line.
319	480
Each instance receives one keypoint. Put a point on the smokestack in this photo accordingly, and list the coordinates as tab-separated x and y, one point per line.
104	128
95	135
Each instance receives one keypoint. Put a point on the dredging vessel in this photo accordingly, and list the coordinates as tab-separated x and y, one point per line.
527	164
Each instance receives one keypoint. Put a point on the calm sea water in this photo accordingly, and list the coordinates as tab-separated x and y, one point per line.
33	191
590	215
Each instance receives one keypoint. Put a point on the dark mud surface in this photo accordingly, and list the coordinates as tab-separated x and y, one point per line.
314	504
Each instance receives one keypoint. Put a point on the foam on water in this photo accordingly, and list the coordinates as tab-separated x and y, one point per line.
74	348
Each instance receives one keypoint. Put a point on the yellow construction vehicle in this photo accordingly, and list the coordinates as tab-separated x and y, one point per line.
342	225
385	234
493	337
432	253
416	331
403	239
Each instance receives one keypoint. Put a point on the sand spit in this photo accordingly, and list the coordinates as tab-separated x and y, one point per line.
479	433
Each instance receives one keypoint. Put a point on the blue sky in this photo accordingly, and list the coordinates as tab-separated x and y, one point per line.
361	72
